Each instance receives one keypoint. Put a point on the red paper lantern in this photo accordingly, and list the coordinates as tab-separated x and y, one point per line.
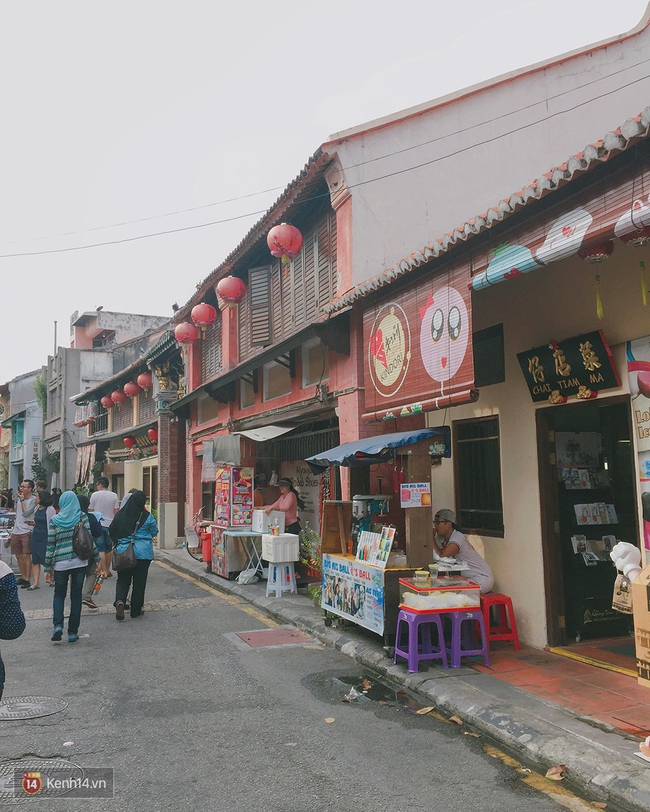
185	332
284	241
153	433
231	289
129	441
118	396
636	238
131	389
107	402
144	381
204	316
598	252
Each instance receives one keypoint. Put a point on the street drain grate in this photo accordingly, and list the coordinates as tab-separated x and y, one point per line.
11	791
14	708
281	636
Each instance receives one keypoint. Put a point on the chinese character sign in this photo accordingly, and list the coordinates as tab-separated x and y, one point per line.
578	366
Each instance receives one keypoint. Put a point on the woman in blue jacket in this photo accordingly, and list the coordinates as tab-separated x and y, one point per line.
133	522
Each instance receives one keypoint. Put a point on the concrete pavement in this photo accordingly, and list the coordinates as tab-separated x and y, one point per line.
599	759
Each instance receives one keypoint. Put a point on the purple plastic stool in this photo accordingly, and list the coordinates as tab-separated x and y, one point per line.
462	644
412	655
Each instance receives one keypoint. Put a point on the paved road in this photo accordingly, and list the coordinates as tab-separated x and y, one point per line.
192	717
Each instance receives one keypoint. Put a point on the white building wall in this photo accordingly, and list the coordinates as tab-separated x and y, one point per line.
474	148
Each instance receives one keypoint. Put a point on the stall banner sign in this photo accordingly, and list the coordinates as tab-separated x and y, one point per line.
241	496
222	496
638	372
219	562
353	591
415	494
418	347
575	366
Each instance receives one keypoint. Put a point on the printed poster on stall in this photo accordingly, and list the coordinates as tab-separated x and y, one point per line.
222	497
415	494
638	370
354	591
219	562
241	497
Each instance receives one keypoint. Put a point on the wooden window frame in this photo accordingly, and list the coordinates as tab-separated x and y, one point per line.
487	466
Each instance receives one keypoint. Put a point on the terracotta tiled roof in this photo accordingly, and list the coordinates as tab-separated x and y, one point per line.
299	189
625	136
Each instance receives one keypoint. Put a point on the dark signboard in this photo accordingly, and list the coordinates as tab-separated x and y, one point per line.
418	348
578	366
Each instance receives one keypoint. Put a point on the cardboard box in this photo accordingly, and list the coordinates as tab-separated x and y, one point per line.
641	611
263	522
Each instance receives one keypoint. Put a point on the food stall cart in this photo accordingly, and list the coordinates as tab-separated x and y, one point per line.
358	584
235	546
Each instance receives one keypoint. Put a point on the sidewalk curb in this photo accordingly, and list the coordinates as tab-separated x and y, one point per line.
600	760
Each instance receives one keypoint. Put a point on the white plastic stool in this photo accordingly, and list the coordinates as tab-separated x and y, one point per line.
282	578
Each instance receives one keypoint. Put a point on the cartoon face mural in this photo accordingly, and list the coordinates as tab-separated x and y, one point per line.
444	334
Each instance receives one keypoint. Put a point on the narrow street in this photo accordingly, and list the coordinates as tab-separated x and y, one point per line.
191	716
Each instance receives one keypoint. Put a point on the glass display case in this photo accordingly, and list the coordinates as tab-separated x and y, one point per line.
439	594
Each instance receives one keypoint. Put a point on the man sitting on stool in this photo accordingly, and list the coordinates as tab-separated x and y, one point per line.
451	543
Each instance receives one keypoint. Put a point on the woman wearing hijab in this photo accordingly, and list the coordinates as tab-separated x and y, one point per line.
133	522
61	559
289	502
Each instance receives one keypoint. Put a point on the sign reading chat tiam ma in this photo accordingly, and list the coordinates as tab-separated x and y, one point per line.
418	348
580	367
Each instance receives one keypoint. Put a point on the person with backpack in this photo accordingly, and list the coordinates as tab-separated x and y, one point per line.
12	619
133	524
63	564
93	569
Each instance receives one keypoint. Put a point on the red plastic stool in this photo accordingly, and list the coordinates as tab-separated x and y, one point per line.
507	628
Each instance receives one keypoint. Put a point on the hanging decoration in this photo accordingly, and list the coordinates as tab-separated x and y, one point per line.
118	396
598	252
231	290
204	316
284	241
153	433
599	301
131	389
185	332
107	402
636	238
129	441
145	382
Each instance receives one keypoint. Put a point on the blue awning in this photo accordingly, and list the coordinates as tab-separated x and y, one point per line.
371	450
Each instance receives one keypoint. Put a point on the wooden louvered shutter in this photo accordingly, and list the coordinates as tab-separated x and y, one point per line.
259	281
211	351
326	260
311	293
243	325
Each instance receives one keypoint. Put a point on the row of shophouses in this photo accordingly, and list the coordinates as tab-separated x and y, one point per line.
474	263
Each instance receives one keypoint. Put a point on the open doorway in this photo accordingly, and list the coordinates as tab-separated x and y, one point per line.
588	500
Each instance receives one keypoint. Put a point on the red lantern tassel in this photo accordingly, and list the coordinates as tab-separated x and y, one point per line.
644	284
599	302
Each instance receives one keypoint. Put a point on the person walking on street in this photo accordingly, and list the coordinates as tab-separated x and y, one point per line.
38	542
133	523
94	567
61	559
22	532
104	501
12	619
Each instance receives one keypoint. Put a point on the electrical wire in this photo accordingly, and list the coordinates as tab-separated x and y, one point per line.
350	186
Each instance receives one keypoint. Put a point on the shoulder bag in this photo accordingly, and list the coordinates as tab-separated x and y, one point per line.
125	560
82	541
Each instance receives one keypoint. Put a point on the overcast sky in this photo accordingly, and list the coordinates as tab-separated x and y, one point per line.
136	118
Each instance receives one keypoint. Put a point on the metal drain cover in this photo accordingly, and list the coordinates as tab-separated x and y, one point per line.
11	792
30	707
